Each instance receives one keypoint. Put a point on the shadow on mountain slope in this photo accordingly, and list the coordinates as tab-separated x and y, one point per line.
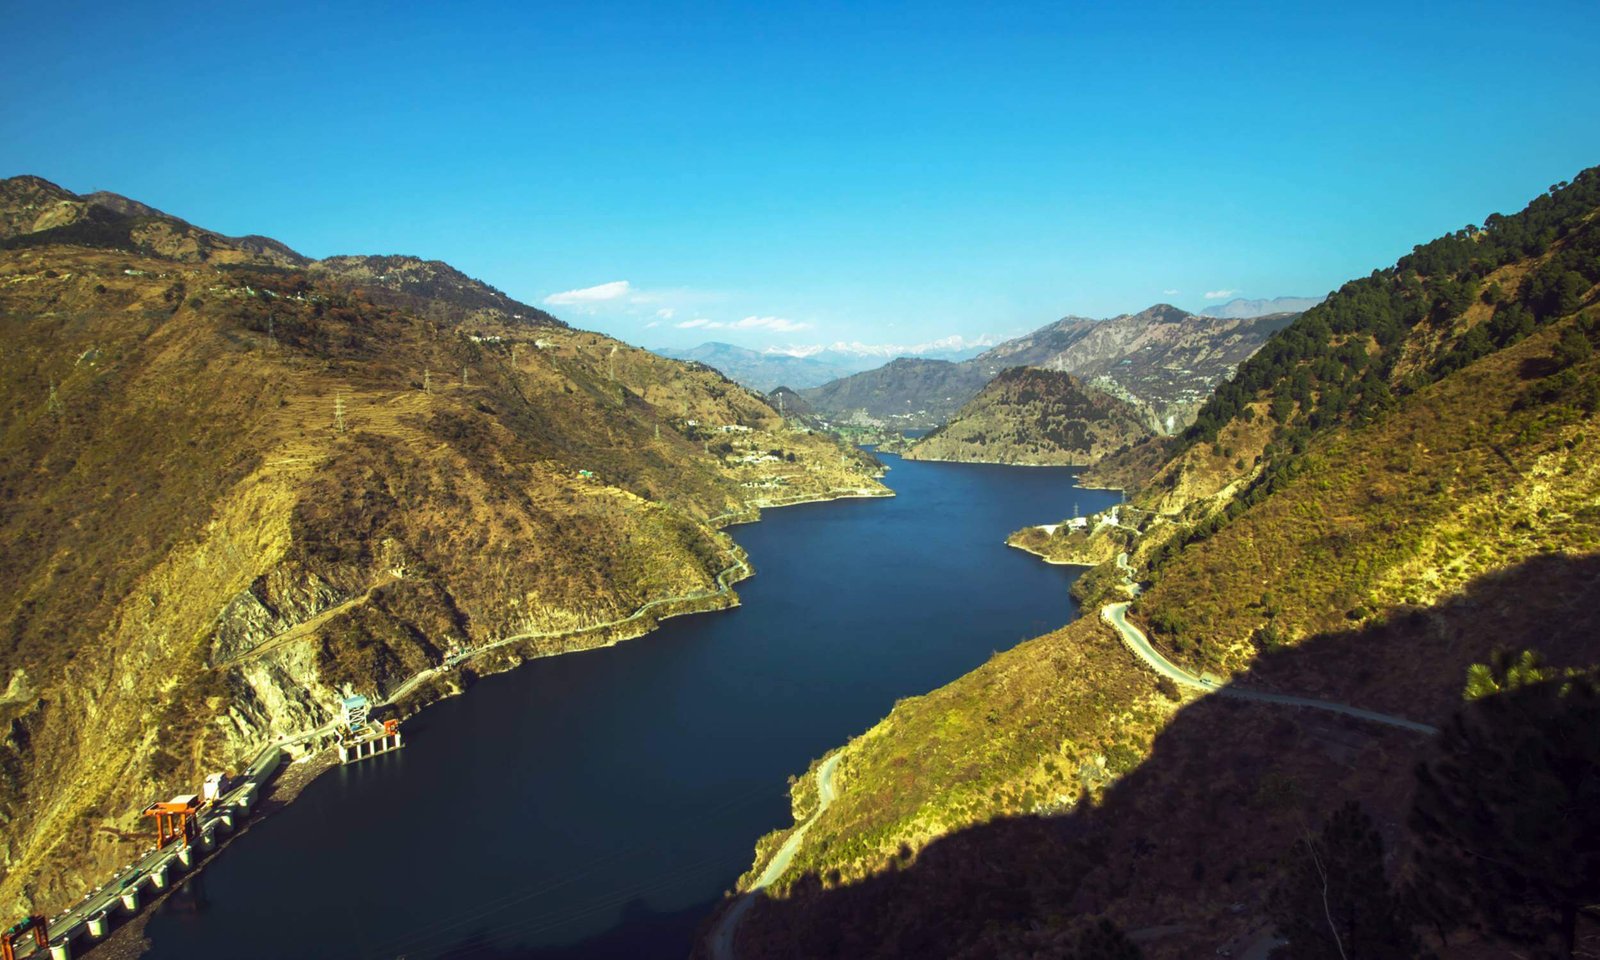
1184	849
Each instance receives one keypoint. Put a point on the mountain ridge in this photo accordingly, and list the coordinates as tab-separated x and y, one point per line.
1399	484
35	211
1241	308
236	487
1163	359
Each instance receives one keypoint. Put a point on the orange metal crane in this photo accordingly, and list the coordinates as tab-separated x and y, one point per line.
173	818
38	925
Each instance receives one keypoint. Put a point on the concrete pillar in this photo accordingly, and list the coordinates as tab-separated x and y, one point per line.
247	796
130	899
208	838
158	874
99	925
344	753
225	821
61	949
397	738
186	856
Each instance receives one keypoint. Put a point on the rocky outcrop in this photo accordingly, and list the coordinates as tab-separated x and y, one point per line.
272	605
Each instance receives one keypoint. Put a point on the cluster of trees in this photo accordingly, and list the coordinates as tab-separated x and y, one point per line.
1336	361
1505	831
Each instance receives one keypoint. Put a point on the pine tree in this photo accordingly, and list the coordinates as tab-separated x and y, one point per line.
1333	901
1507	815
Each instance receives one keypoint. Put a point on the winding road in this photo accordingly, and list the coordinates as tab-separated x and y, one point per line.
1116	614
722	935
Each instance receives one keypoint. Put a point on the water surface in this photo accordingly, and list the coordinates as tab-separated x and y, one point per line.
598	804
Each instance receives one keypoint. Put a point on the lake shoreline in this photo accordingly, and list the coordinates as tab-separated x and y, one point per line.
1050	560
713	716
444	681
1007	463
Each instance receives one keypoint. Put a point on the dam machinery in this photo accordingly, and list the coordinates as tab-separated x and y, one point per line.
174	818
359	737
36	925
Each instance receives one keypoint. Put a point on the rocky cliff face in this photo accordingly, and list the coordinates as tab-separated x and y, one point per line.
1163	360
233	493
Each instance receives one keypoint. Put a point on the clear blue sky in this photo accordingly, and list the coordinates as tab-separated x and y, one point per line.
832	172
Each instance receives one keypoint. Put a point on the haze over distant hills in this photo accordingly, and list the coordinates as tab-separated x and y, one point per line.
1163	359
1242	309
801	367
760	370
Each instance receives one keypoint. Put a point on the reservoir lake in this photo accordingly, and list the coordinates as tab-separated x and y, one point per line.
598	804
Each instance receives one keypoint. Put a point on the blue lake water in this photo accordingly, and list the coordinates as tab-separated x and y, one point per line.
598	804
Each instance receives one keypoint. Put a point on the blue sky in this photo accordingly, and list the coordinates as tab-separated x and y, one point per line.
809	173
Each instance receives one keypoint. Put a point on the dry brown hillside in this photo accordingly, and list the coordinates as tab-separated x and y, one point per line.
228	491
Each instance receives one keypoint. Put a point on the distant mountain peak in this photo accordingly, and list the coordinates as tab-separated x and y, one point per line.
1240	308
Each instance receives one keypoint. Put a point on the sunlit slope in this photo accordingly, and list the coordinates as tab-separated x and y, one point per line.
231	492
1356	517
1030	416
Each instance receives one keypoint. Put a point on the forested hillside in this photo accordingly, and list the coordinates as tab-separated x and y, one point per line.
1398	488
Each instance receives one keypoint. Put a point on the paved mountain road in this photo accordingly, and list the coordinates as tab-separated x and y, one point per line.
722	936
1116	615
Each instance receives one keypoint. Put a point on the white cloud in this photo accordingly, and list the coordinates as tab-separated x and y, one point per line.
1219	294
889	350
775	324
1170	293
652	323
622	297
600	293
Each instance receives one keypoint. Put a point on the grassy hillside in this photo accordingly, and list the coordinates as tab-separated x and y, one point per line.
232	490
1481	470
1035	417
1180	836
1354	542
